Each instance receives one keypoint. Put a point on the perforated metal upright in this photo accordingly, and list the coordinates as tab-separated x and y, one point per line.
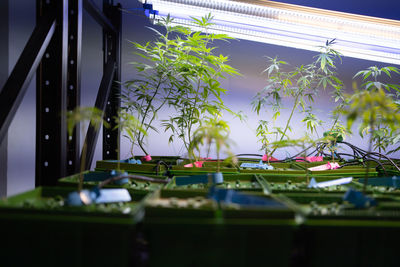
58	88
74	79
51	98
112	51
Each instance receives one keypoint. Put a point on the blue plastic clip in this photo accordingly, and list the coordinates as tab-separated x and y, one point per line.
210	178
358	199
232	196
123	181
84	197
131	161
261	165
148	9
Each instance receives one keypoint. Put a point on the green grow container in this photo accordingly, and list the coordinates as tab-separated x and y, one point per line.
258	234
289	186
190	230
336	234
347	171
38	230
239	182
144	168
185	171
170	160
93	178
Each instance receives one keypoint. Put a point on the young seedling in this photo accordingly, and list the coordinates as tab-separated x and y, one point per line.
336	134
83	115
371	107
212	131
263	133
129	124
381	136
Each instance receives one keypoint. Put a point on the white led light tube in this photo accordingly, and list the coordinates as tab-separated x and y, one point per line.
290	25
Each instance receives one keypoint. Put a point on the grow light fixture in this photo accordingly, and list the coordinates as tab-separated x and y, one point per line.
289	25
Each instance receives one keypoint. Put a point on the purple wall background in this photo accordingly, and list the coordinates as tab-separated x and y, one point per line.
245	55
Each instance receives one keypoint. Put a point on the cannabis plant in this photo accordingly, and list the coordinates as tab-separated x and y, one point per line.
179	70
372	107
381	136
81	115
197	89
300	84
212	131
336	134
146	95
263	132
129	126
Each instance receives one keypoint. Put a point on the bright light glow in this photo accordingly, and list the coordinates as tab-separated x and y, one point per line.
340	181
290	25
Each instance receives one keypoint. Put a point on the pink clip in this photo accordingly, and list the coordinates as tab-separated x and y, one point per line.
146	158
197	164
266	158
328	166
310	159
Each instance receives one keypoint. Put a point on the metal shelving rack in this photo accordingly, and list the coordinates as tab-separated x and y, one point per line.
53	52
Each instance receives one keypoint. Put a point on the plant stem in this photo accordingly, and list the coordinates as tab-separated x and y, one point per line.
369	151
288	121
140	138
218	164
118	146
83	159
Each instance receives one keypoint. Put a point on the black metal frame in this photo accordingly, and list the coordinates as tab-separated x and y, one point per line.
74	79
51	98
3	76
56	44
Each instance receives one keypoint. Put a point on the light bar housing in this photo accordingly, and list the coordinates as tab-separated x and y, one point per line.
289	25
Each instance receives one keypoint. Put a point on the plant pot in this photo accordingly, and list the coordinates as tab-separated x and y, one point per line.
218	230
170	160
348	171
93	178
185	171
367	233
289	186
240	182
34	222
108	165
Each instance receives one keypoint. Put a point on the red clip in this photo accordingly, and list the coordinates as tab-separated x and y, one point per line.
197	164
146	158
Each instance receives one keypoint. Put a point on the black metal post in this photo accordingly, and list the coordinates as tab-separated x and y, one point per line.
101	99
3	78
51	96
15	88
74	79
112	51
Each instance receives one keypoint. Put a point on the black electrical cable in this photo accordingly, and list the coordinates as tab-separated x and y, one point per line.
365	154
159	163
252	155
